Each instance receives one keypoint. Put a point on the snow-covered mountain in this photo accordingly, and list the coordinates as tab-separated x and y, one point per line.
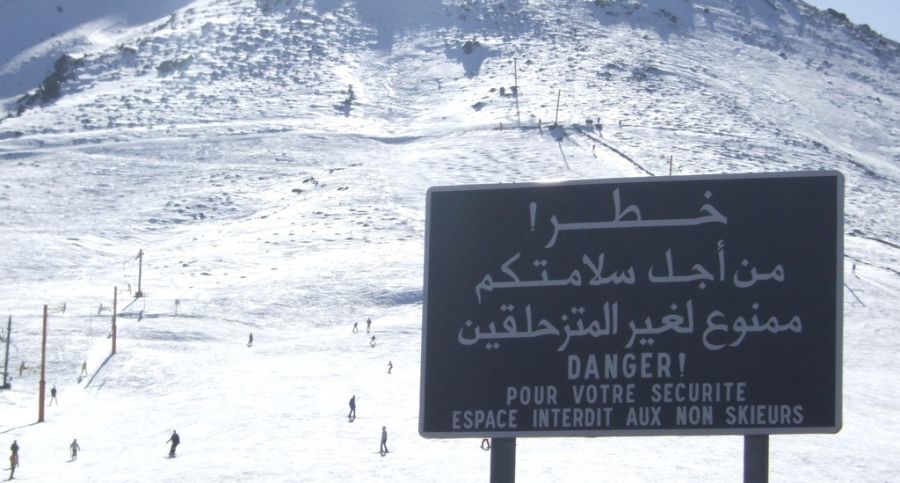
271	160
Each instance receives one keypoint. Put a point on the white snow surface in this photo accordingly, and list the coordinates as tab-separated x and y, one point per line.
221	138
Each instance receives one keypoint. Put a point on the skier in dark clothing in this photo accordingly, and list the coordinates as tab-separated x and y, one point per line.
250	340
368	325
13	458
355	327
53	396
352	414
372	341
383	449
390	366
75	449
176	440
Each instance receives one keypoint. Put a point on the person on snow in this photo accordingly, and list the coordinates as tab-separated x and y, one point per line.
74	448
355	327
390	366
53	396
84	368
250	340
352	414
383	449
22	368
368	325
176	440
372	341
13	458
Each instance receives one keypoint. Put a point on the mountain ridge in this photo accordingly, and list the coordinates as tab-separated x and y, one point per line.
277	28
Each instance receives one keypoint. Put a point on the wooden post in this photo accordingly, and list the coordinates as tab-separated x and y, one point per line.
7	385
140	257
115	296
516	92
43	384
503	460
756	458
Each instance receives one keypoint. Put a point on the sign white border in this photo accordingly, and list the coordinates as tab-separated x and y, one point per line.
838	311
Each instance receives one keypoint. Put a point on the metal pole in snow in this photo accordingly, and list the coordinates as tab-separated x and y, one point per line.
115	296
556	117
41	391
140	255
6	385
516	93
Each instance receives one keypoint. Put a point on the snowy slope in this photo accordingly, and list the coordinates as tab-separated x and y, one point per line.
222	138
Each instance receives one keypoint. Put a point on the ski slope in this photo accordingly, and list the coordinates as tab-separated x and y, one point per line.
221	138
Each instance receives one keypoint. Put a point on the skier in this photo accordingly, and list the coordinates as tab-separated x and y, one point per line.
22	368
390	366
355	327
84	368
250	340
372	341
352	414
176	440
368	325
75	449
53	396
383	449
13	458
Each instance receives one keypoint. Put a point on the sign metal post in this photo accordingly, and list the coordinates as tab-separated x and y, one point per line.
756	458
